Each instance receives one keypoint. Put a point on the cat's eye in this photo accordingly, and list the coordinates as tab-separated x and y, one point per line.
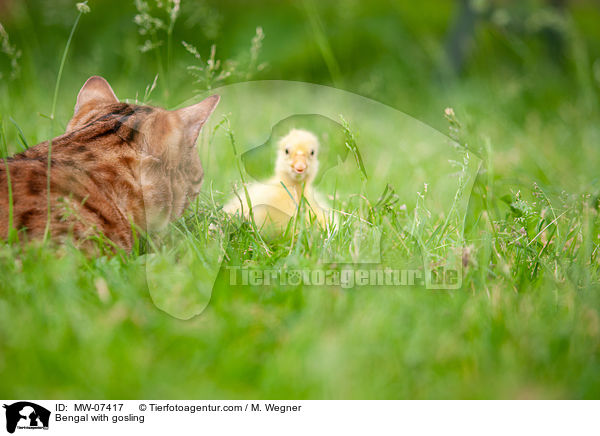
287	151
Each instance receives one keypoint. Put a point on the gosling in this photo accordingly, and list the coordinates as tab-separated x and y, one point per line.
296	167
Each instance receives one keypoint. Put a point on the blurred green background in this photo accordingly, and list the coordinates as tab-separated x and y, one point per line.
523	78
417	58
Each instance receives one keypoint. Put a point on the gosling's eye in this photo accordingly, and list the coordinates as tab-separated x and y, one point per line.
287	151
312	152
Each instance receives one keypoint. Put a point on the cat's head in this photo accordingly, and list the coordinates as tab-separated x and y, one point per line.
168	165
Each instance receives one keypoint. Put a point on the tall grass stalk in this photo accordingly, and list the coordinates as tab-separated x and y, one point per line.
173	10
12	234
238	162
22	141
323	43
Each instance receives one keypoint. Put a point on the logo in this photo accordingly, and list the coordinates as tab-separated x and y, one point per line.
26	415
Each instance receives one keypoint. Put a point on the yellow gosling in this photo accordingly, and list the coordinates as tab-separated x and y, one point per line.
296	167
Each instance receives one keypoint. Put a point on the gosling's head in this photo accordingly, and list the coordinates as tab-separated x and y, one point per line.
297	157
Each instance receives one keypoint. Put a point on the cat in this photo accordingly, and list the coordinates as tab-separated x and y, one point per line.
117	165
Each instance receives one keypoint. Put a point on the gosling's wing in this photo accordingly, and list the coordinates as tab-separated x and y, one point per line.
259	193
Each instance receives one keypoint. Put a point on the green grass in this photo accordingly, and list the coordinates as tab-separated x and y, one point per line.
517	209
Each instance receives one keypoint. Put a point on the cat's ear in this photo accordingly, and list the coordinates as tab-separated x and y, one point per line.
195	116
97	89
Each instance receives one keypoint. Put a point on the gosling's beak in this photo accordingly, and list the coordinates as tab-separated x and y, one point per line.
299	164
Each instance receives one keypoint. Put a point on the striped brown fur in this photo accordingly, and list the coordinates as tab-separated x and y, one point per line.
117	164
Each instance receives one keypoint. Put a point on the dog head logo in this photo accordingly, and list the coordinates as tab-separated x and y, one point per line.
26	415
